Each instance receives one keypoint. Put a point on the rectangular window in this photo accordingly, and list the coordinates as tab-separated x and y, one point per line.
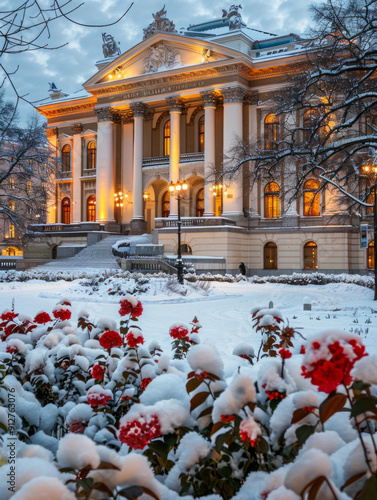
29	186
11	205
11	183
11	231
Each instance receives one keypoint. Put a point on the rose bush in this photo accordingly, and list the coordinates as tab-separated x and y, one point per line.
106	417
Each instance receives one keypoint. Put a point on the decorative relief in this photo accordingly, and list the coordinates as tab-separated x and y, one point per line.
148	114
104	114
138	109
233	94
194	113
160	118
76	128
175	103
67	110
210	98
127	116
160	23
51	132
252	98
160	57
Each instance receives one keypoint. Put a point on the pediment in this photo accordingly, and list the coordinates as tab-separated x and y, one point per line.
158	54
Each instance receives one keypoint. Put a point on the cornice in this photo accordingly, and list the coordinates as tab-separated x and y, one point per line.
67	109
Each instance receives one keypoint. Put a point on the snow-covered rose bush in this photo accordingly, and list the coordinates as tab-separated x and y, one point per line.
101	416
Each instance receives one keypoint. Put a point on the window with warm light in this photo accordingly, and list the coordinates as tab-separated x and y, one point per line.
271	131
200	203
66	211
11	205
167	138
66	158
272	200
311	198
11	183
166	204
270	255
201	134
29	185
91	154
370	255
91	209
310	255
11	231
310	122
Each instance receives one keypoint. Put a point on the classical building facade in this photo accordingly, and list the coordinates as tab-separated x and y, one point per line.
172	108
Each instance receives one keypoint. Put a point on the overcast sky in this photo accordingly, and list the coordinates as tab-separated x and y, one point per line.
70	66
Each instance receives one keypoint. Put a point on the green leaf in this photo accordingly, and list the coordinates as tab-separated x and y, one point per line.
331	405
359	385
225	471
132	492
86	483
263	445
363	404
198	400
304	432
220	440
160	448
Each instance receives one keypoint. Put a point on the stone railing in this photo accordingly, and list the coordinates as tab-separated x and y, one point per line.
6	264
89	172
48	228
64	175
158	161
194	221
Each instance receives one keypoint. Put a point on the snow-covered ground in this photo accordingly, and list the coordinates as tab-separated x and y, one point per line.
223	310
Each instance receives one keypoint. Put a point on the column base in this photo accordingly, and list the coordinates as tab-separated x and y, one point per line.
138	226
209	214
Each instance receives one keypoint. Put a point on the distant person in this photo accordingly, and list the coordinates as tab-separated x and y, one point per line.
242	268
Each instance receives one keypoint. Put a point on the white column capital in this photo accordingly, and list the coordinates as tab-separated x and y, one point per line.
176	104
233	95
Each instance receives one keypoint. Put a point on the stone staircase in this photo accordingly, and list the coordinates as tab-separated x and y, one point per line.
97	256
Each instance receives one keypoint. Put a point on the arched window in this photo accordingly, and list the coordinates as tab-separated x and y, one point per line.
311	118
371	255
166	204
92	151
185	248
200	203
91	209
167	138
271	200
311	198
66	211
310	255
66	158
201	134
10	251
271	131
270	257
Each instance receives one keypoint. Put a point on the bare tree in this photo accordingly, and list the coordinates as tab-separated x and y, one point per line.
327	112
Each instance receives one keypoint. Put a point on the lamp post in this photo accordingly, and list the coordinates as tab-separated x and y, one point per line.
373	169
176	190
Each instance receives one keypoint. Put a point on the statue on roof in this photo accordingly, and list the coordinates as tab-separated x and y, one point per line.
109	46
233	16
160	23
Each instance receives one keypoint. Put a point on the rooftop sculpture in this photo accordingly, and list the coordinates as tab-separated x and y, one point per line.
160	23
109	46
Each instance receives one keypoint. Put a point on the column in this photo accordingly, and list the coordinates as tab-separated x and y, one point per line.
138	224
176	105
105	167
210	100
127	155
252	102
233	104
51	202
290	215
76	172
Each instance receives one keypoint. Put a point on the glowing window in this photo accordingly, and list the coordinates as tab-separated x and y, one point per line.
66	211
311	198
92	152
310	256
371	255
91	209
166	204
11	183
66	158
11	205
29	185
270	256
271	131
271	200
201	134
11	231
167	138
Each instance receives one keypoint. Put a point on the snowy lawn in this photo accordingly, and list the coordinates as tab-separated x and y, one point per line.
107	409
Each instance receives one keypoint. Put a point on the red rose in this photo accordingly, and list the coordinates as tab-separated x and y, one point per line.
133	341
110	339
42	318
128	307
178	331
285	353
137	434
62	313
97	372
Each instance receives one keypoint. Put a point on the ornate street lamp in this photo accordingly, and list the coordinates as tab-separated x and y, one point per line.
177	191
371	170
